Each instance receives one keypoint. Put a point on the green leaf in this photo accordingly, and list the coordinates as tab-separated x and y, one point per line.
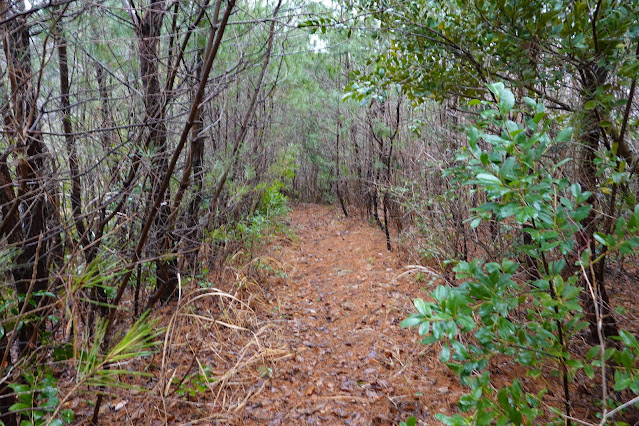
484	158
424	328
411	421
601	238
590	105
628	339
422	307
629	246
505	97
473	136
494	139
488	180
429	340
506	101
590	372
535	374
622	380
564	135
412	321
502	398
516	416
593	352
456	420
445	353
20	406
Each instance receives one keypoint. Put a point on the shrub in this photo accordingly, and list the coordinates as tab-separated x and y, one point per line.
527	319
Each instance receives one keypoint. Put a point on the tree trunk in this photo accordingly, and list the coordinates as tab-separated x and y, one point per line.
337	175
194	232
149	30
600	306
27	212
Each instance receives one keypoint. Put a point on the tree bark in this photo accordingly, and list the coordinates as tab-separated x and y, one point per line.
149	30
592	78
194	232
29	215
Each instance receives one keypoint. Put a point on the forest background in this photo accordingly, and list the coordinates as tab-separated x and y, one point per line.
146	146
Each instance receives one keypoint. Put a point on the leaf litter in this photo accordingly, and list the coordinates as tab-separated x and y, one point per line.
306	333
339	310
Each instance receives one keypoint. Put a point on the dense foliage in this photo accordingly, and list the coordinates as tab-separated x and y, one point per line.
531	321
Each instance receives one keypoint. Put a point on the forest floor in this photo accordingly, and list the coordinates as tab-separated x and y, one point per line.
305	333
340	305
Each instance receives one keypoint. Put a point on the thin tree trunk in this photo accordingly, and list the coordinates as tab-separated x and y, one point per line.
30	272
386	230
593	78
197	154
149	30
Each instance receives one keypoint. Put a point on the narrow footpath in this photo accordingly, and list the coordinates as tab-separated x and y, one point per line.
339	310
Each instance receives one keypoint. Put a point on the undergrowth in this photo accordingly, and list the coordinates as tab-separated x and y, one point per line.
265	221
528	309
205	311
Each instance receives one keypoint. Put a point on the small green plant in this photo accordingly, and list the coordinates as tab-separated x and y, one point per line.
38	398
265	372
411	421
273	203
194	384
265	220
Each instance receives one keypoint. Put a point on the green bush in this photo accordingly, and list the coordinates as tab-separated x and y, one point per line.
266	218
527	321
273	203
37	398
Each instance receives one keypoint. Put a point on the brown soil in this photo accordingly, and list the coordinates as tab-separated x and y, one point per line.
340	307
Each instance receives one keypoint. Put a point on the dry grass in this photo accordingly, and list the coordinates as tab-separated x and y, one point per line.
216	355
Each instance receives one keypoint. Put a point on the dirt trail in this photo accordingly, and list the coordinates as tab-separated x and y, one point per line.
340	310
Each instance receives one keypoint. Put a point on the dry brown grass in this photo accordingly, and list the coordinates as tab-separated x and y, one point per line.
215	355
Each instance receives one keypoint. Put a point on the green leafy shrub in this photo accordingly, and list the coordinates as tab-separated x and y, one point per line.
273	203
265	219
37	398
528	319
